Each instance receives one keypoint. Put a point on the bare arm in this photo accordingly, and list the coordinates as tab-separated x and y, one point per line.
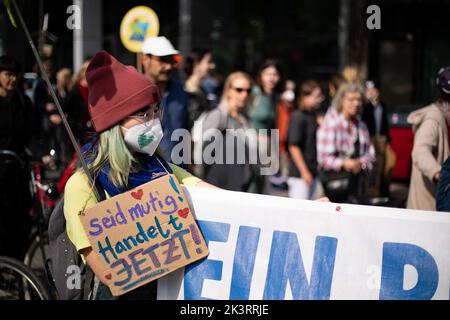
425	141
204	184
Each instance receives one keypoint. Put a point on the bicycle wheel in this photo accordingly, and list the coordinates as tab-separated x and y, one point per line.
36	252
18	282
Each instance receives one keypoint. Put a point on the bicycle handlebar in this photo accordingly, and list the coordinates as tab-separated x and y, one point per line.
14	155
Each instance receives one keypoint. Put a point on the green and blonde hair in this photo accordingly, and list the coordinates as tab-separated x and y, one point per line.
110	148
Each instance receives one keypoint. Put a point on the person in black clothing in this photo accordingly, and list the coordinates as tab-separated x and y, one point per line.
75	106
375	117
15	124
374	112
41	95
303	181
51	134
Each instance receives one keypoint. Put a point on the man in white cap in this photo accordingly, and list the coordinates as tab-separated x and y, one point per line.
159	61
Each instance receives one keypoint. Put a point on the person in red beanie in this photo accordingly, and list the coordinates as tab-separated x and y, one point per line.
126	112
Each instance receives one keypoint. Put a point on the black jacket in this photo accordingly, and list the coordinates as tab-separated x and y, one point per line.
77	114
369	119
15	122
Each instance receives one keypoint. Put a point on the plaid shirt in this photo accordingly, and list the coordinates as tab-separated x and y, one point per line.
335	142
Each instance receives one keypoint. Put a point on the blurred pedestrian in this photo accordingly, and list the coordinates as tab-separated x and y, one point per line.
375	112
159	61
41	93
303	179
15	124
265	95
431	146
343	146
51	145
334	84
375	116
352	74
230	115
262	113
212	84
285	108
75	106
198	65
443	189
63	82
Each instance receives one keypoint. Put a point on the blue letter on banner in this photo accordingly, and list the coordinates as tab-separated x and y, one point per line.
205	269
286	263
395	257
244	262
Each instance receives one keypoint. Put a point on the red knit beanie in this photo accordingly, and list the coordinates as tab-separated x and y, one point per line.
116	91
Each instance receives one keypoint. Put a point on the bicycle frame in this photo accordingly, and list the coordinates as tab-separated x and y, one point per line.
38	197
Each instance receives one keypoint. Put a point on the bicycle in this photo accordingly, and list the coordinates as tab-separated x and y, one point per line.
19	282
43	198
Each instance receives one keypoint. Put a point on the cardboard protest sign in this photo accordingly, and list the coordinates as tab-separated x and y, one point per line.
143	234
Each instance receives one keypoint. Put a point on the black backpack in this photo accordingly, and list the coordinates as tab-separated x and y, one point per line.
66	270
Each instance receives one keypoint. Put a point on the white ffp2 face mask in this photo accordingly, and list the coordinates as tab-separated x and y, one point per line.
144	137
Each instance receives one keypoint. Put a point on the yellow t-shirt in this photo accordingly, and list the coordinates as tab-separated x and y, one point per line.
78	196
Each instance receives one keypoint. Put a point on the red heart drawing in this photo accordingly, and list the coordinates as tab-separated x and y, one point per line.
138	194
108	276
183	213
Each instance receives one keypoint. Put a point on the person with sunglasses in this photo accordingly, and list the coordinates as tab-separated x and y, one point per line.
125	109
160	59
227	118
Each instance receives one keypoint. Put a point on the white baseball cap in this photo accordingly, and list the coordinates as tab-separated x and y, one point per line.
158	46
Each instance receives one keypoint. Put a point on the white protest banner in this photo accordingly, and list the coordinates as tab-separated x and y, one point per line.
265	247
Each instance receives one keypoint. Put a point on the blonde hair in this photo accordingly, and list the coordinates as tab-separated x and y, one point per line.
335	82
352	74
229	81
66	72
342	91
81	74
66	75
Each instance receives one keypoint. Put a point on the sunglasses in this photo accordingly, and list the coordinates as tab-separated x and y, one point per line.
148	114
166	59
242	90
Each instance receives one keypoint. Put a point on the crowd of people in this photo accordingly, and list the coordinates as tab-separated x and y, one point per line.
332	141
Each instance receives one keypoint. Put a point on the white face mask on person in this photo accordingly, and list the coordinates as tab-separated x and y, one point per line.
288	95
144	137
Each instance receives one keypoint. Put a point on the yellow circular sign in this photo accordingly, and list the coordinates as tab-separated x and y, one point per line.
138	24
